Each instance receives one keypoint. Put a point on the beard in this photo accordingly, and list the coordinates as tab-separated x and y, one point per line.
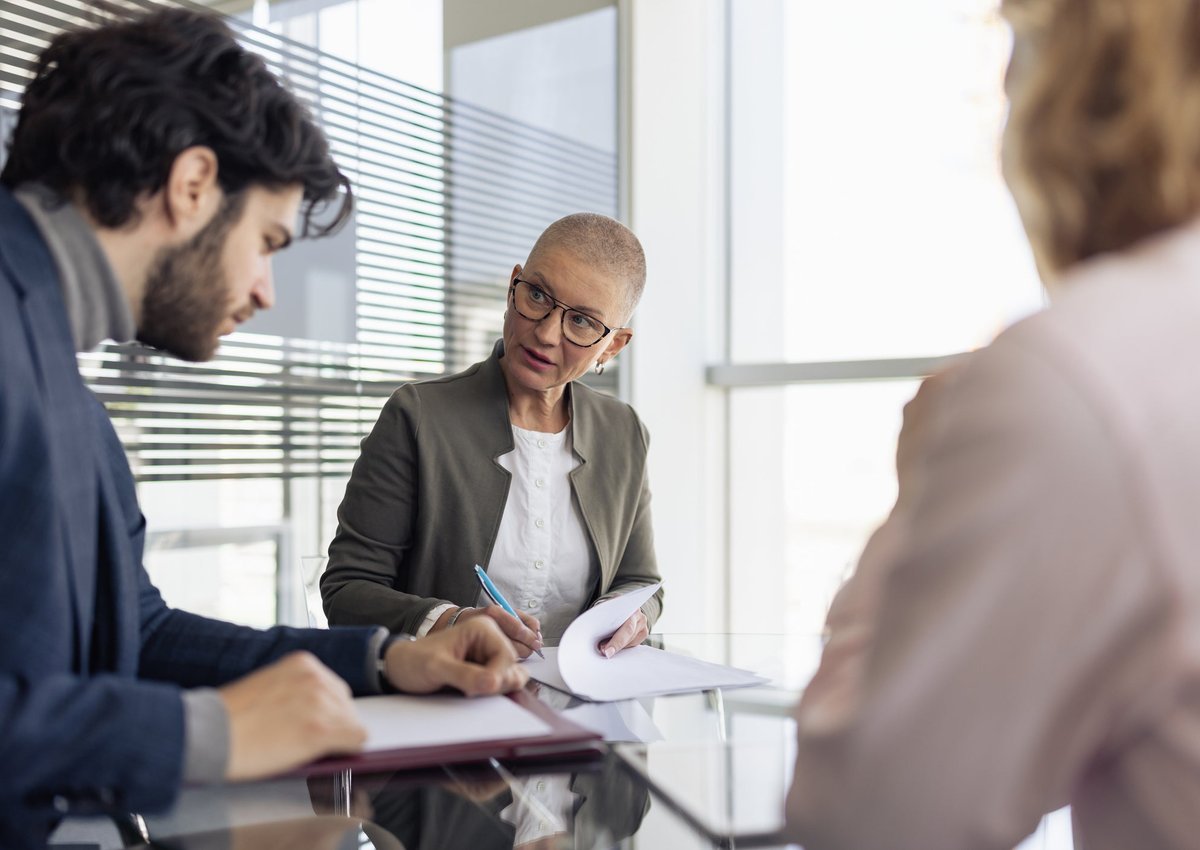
187	292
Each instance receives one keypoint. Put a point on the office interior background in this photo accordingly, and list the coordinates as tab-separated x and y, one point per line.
818	190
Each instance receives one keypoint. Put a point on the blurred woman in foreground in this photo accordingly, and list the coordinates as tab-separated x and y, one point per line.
1024	631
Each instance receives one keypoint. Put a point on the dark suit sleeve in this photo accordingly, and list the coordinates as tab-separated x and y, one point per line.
83	740
86	741
193	651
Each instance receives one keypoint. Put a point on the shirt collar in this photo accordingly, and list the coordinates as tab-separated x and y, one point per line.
96	304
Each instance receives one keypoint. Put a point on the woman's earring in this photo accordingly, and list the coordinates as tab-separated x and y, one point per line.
599	367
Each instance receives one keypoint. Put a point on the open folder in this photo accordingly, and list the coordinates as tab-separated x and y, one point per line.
577	666
407	732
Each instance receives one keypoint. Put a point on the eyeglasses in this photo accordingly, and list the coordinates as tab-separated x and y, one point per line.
535	304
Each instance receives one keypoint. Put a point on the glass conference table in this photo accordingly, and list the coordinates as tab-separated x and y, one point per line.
687	771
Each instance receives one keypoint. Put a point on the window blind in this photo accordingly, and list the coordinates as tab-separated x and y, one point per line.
448	197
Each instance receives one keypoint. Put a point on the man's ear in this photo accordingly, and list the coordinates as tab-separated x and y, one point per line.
516	271
192	194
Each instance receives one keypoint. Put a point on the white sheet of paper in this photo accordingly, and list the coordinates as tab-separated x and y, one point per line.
640	671
395	722
577	666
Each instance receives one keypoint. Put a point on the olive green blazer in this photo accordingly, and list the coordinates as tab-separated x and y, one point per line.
425	499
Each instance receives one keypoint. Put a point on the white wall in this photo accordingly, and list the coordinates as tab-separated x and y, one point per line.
676	206
757	328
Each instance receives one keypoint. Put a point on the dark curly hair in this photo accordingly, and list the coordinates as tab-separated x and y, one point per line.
111	107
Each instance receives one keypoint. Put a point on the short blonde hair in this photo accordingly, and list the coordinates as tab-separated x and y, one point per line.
1102	146
604	244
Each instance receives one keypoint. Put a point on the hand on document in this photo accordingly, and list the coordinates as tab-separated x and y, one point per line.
286	714
632	632
577	665
475	657
296	710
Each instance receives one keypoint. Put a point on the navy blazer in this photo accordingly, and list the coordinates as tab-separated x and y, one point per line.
92	661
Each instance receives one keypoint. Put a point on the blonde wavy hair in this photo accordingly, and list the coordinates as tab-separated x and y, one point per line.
1102	146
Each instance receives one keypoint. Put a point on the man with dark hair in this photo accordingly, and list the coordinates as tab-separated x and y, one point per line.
155	167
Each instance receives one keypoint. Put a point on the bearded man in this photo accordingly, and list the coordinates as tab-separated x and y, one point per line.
155	167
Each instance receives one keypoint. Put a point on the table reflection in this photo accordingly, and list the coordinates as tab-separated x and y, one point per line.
592	805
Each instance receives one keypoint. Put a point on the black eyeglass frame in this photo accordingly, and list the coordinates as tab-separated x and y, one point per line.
554	302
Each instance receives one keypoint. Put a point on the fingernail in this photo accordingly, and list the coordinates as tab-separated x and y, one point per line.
609	652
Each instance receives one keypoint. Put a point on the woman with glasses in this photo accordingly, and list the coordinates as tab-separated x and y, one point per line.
1023	632
511	464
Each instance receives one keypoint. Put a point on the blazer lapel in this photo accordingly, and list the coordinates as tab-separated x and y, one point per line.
596	520
494	434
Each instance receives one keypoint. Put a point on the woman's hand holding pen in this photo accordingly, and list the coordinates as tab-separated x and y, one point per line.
523	630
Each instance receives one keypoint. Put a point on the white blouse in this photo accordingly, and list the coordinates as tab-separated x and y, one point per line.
541	561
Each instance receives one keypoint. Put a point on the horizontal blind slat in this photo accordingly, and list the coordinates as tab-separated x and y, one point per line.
448	196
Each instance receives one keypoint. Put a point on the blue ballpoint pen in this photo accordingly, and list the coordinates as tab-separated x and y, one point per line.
496	596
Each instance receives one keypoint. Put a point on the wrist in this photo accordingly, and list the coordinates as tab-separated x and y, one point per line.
385	651
454	617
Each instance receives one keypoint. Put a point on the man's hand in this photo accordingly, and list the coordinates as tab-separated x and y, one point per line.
525	633
286	715
632	632
475	657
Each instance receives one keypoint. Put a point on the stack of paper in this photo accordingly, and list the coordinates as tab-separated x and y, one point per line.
395	722
406	732
577	666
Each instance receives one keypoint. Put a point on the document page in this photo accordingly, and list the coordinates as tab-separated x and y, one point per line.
394	722
578	667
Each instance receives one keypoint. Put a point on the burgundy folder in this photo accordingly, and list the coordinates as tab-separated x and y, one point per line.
564	741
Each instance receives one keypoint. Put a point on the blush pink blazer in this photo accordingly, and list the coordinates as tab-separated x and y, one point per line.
1023	632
